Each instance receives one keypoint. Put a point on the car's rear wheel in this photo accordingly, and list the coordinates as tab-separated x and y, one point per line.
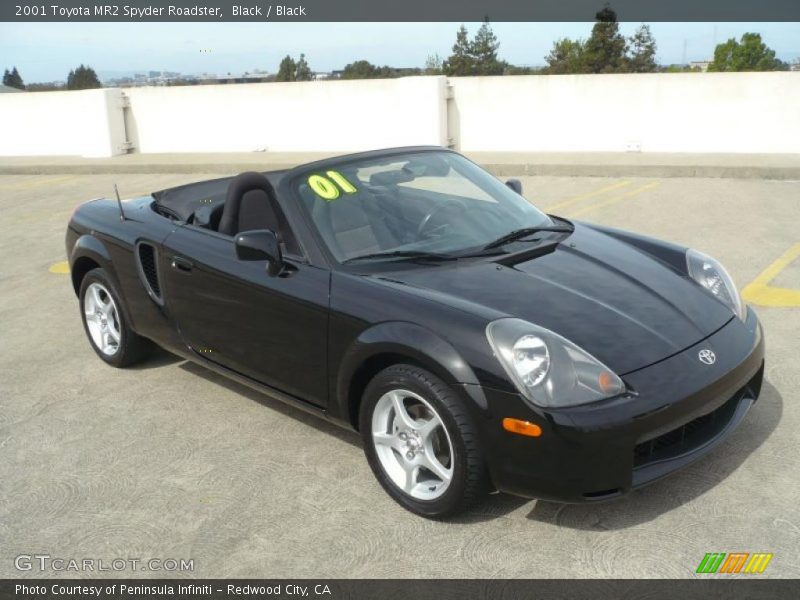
105	323
421	443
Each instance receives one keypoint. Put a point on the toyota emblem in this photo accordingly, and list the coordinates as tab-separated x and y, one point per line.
707	356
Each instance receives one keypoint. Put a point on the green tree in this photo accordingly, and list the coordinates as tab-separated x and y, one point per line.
45	87
751	54
13	79
360	69
524	70
461	61
302	70
433	65
83	78
287	70
183	81
484	49
566	57
642	46
363	69
604	51
680	69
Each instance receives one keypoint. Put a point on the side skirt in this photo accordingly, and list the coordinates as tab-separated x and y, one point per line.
256	385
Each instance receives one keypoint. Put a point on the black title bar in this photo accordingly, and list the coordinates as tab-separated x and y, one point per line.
396	10
749	587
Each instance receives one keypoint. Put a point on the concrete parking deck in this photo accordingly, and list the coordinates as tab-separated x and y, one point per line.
168	460
572	164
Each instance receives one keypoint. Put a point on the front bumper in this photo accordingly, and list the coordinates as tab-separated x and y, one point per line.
680	410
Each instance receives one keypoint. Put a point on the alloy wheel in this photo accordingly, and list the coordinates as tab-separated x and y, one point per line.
102	319
412	444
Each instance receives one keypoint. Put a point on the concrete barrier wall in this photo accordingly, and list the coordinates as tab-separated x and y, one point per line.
665	112
286	117
87	123
692	113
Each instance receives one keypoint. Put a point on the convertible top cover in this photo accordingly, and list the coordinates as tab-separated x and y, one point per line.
181	202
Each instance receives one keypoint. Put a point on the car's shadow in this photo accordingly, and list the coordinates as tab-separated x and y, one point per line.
677	489
658	498
496	505
158	358
638	507
318	423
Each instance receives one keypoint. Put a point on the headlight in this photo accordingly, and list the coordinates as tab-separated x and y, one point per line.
548	369
712	275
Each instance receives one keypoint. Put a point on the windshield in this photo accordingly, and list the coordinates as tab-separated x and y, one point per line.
407	204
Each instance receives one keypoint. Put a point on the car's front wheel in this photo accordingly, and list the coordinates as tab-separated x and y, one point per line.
105	324
421	442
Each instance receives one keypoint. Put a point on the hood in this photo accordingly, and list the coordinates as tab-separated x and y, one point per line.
624	307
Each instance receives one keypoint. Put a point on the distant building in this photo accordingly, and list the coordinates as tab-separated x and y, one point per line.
700	64
245	78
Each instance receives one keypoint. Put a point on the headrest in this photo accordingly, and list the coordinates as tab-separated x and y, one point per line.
247	181
238	187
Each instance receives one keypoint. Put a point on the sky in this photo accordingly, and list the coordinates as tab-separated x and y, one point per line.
47	51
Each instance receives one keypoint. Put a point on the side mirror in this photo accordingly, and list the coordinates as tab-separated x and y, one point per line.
516	185
261	244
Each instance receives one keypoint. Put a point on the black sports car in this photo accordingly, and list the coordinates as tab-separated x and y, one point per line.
475	342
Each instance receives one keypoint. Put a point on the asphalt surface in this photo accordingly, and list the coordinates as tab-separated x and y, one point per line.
168	461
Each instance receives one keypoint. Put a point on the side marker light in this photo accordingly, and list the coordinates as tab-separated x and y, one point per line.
522	427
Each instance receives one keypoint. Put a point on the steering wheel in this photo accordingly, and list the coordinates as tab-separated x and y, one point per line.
425	229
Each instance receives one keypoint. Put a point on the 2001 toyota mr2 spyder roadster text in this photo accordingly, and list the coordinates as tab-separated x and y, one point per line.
475	342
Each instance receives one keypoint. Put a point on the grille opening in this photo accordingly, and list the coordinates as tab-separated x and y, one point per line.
148	270
687	437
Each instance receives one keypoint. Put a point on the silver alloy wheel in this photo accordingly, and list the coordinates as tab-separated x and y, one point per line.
102	319
412	444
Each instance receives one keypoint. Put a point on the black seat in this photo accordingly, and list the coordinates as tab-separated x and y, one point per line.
250	204
350	224
208	216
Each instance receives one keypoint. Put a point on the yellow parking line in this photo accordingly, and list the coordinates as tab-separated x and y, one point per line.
59	268
571	201
760	292
36	183
616	199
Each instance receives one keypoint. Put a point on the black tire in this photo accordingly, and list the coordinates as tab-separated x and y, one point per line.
132	348
470	481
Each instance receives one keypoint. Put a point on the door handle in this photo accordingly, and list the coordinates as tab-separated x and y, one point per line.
181	264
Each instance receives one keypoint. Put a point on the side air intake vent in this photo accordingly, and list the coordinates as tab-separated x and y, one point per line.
148	271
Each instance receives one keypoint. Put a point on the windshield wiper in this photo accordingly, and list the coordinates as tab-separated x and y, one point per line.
410	254
518	234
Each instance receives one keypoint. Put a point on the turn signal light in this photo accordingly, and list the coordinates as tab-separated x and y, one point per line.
606	382
522	427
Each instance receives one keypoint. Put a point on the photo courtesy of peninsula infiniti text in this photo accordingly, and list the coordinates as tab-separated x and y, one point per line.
476	343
